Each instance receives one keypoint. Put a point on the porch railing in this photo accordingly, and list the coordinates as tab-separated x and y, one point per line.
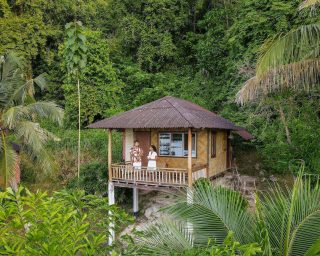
160	176
199	171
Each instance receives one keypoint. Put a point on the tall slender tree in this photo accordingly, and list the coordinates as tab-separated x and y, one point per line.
75	57
20	114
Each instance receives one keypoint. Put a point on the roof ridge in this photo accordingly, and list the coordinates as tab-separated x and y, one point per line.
170	97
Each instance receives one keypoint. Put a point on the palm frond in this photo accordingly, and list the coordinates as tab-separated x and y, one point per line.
31	134
299	44
261	232
299	76
47	110
289	61
8	162
308	4
11	75
14	115
32	112
44	160
164	238
11	66
314	250
23	91
213	212
41	81
293	217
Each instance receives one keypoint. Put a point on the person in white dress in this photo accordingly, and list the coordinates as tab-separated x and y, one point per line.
152	158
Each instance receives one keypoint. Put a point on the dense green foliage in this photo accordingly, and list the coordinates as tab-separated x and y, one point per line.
67	223
200	50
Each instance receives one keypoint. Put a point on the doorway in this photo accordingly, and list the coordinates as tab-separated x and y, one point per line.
144	138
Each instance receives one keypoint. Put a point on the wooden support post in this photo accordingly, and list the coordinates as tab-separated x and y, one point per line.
110	154
111	199
135	202
190	157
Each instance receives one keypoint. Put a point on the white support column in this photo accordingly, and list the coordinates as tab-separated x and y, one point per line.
135	201
111	202
189	202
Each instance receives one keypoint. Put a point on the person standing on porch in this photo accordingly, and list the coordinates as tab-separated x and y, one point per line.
152	158
136	154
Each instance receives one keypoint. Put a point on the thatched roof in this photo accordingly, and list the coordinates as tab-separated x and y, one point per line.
167	112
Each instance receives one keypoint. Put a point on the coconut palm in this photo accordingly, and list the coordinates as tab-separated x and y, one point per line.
20	114
308	4
285	222
288	61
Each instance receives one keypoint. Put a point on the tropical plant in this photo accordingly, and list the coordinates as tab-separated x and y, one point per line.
229	248
20	114
287	61
286	221
75	58
63	224
100	85
308	4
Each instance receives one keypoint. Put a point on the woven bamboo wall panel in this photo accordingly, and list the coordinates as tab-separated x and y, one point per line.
182	162
218	164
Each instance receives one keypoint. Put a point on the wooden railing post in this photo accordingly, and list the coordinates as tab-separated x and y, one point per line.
190	157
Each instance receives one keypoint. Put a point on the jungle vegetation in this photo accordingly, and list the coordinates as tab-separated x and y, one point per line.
67	63
200	50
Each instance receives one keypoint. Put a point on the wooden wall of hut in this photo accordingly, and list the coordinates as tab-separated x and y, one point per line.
218	163
215	164
182	162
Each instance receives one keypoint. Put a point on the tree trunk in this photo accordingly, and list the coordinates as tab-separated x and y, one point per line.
79	128
285	124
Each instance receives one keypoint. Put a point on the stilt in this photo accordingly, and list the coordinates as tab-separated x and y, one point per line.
111	202
189	202
110	188
135	202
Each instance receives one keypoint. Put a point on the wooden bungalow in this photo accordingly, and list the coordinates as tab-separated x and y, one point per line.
192	142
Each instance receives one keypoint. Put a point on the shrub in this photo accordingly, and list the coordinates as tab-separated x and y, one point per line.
62	224
229	248
94	180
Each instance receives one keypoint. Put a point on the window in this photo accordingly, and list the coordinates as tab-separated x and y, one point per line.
213	144
176	144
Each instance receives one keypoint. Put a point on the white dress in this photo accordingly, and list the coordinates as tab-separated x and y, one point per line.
152	163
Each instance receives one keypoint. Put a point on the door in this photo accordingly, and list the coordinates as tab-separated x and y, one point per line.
144	139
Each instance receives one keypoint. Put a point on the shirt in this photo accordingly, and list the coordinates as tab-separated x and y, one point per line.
135	154
152	159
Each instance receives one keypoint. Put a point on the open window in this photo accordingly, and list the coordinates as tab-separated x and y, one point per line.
176	144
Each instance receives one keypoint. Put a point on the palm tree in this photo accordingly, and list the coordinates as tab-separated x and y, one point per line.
308	4
289	61
285	222
20	114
